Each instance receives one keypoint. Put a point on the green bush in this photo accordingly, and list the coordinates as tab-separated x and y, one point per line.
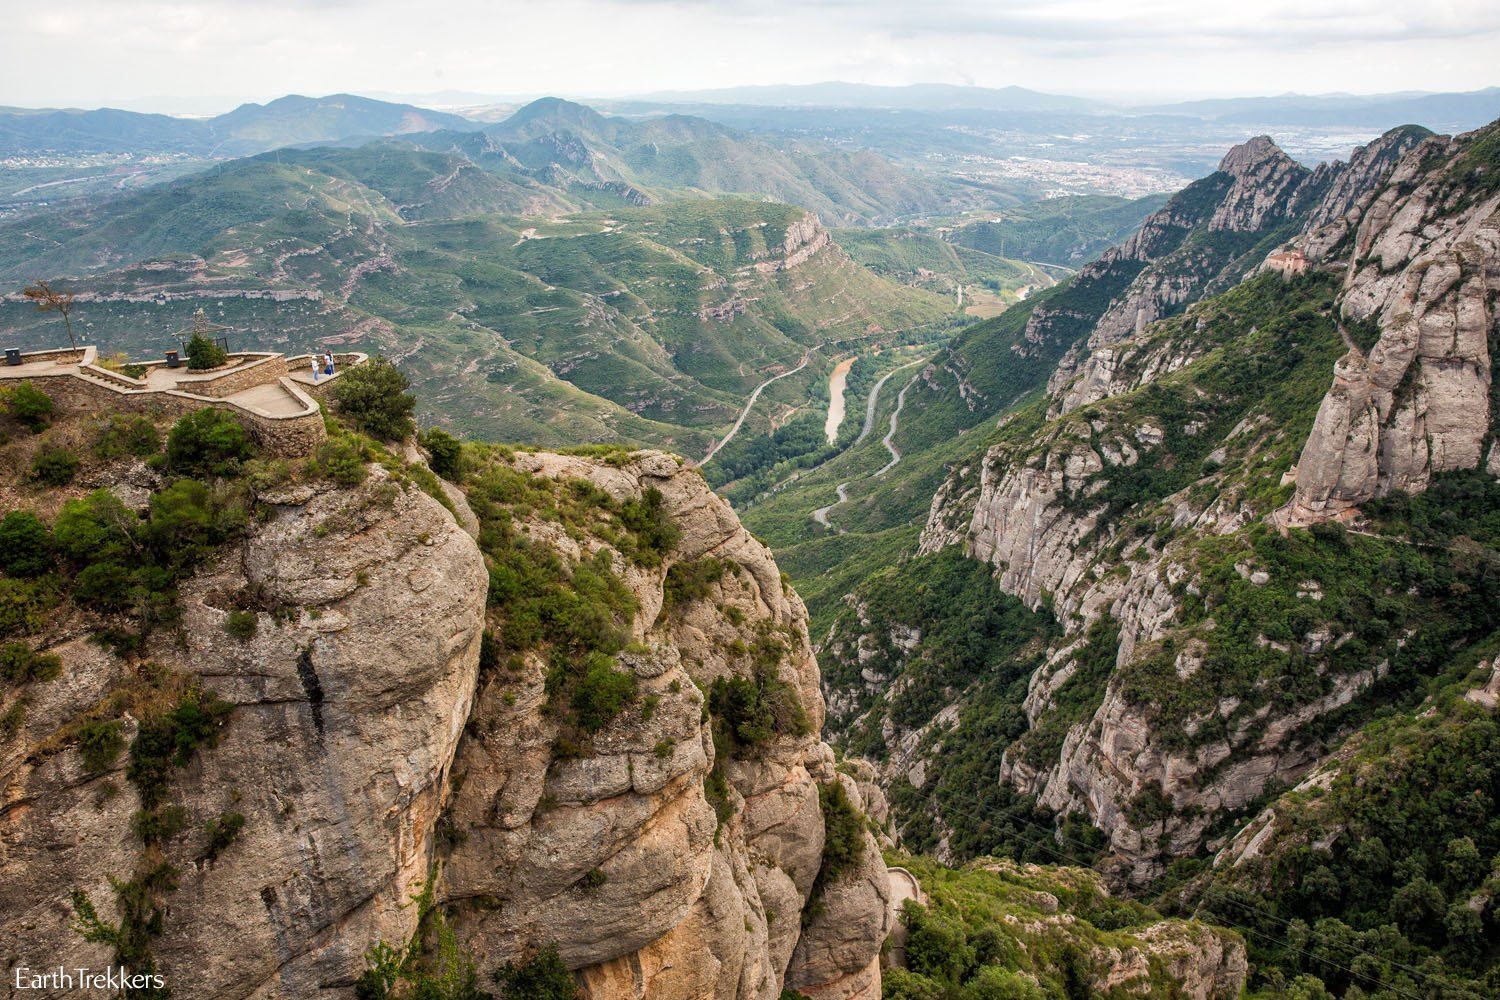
29	405
240	624
107	586
898	984
447	453
692	581
53	465
169	741
222	831
542	977
655	534
99	744
843	835
203	354
751	712
188	519
95	528
374	397
937	945
601	694
26	547
156	826
19	663
208	442
24	603
341	459
121	436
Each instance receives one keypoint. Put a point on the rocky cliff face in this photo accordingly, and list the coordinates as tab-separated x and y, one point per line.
348	703
1105	516
1213	233
615	855
804	238
355	744
1423	271
1197	241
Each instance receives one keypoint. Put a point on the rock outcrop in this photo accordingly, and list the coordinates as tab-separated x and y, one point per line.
348	702
1413	221
1424	270
1196	242
1210	235
616	856
361	748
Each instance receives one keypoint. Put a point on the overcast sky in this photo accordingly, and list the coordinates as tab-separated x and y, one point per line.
99	52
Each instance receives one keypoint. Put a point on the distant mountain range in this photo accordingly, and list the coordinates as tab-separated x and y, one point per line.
777	114
918	96
1452	111
250	128
1443	112
582	157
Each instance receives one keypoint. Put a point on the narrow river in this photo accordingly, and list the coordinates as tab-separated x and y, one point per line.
836	383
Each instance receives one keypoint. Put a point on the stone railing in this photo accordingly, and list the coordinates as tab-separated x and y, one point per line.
78	384
320	390
249	371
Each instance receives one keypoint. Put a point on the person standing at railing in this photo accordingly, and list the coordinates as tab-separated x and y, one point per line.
327	362
313	360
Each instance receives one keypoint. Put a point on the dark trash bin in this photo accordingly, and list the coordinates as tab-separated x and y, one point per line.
173	360
12	356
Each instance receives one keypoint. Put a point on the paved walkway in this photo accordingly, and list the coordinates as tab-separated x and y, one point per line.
271	399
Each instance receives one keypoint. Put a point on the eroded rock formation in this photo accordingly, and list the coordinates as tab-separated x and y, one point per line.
366	755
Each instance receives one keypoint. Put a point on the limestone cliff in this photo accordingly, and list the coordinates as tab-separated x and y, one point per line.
615	854
348	701
1200	240
1424	273
1137	510
246	796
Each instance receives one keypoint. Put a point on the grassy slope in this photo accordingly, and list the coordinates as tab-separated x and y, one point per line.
1071	231
586	329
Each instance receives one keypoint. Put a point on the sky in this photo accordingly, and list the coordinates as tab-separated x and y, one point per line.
208	55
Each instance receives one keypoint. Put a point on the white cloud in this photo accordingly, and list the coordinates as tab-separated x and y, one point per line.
102	51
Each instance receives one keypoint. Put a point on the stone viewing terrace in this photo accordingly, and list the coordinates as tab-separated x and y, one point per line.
276	397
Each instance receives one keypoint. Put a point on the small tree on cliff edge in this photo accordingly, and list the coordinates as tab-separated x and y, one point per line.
49	299
373	397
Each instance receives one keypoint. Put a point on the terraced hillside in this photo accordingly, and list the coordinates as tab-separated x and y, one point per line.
646	323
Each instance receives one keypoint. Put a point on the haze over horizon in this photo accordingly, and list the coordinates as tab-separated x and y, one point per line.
218	53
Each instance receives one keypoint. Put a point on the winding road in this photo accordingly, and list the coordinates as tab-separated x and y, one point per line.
806	357
895	416
821	514
875	399
842	489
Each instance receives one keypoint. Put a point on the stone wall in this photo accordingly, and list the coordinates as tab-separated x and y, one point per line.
262	371
323	390
285	437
